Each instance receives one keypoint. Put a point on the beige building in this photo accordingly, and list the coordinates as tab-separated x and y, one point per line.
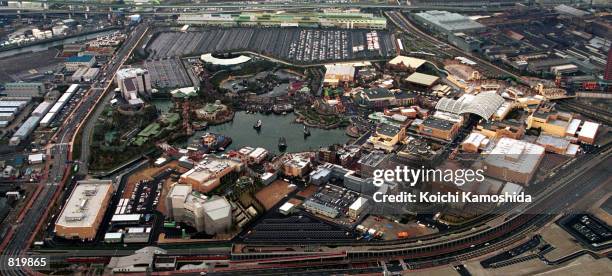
338	73
84	210
296	166
514	160
208	174
550	121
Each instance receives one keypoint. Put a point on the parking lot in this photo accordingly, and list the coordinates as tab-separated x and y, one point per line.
298	45
167	73
146	194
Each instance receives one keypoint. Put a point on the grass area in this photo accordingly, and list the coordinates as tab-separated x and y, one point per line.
314	118
76	147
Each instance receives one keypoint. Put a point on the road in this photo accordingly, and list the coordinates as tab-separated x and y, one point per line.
60	150
124	53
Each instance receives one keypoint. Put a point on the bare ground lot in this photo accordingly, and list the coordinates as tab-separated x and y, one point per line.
21	66
273	193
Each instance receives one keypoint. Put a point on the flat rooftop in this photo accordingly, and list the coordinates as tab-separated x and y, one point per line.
84	203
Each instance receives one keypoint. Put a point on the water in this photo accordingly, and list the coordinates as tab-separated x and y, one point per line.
274	126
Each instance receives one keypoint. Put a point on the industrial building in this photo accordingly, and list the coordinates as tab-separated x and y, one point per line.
59	105
406	63
133	82
75	62
352	20
85	74
564	69
208	174
421	79
84	209
321	209
139	262
24	89
514	160
448	22
212	215
42	109
24	130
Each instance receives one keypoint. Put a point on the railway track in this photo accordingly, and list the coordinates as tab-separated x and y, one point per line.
589	111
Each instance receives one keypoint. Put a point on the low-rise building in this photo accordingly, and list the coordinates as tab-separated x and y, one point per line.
406	63
550	120
338	73
474	142
439	128
139	262
357	207
553	144
320	209
296	166
377	97
588	132
422	80
387	136
210	172
74	62
24	89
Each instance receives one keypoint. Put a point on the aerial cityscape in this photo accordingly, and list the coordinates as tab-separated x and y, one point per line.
325	137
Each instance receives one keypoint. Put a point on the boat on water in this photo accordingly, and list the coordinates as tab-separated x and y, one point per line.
258	125
306	131
282	144
212	142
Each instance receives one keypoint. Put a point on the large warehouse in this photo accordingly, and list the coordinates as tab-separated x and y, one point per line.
84	210
448	22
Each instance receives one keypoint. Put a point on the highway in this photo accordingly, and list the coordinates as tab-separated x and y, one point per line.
60	150
239	5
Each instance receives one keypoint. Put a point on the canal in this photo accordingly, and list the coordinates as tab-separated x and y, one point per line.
274	126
